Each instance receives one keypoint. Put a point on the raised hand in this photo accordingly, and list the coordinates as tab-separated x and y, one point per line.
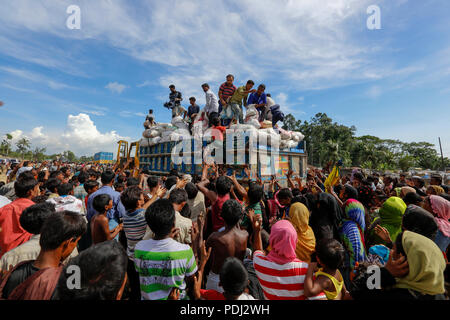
383	233
398	268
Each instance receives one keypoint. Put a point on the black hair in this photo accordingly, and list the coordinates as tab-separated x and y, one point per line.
262	86
421	182
250	82
412	198
160	217
33	217
82	177
152	182
358	176
64	189
174	172
223	185
59	227
122	179
192	98
178	196
64	170
40	199
215	121
132	182
2	183
230	75
54	174
93	173
233	276
186	211
100	201
330	252
53	184
23	185
420	221
268	95
445	196
172	86
296	192
90	184
108	176
103	267
255	193
170	182
350	192
265	239
285	193
232	212
191	190
205	85
41	177
118	185
438	177
130	197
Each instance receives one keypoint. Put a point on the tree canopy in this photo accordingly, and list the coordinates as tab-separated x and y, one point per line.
328	141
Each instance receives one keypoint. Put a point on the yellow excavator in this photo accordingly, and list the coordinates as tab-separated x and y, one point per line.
124	154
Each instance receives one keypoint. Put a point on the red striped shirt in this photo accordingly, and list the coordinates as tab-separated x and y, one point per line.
227	91
282	282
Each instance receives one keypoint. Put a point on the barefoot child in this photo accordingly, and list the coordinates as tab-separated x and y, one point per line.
330	255
99	223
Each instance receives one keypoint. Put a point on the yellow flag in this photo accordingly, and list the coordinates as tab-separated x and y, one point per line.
332	179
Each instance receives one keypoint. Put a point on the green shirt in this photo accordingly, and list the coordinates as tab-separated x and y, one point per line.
239	95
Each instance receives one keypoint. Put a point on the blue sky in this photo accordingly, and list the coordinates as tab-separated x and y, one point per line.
85	89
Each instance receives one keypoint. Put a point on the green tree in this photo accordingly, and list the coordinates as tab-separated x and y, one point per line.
38	154
5	146
406	162
22	146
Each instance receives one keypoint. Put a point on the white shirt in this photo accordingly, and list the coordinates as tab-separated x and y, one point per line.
4	201
212	105
270	102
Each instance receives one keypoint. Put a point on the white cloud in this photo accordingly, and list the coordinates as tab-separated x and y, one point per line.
283	100
80	136
116	87
374	92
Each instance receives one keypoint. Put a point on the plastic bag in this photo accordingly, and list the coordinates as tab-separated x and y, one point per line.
254	122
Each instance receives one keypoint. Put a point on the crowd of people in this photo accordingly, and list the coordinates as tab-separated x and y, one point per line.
214	237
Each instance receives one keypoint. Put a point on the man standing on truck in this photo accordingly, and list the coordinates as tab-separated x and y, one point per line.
174	103
258	98
212	105
238	98
226	90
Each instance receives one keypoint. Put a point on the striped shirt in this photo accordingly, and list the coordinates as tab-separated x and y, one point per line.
227	91
134	226
282	282
163	265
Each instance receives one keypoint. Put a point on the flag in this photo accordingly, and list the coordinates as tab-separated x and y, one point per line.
332	179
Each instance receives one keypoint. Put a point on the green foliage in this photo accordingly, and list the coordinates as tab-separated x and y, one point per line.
328	141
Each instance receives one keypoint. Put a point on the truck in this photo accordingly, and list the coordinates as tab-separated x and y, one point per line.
104	157
158	160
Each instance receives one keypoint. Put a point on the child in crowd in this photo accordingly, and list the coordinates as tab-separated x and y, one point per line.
330	255
99	223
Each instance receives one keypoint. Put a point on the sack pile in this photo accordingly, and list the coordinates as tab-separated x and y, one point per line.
290	139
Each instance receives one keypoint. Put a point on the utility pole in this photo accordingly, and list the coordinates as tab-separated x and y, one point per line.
442	155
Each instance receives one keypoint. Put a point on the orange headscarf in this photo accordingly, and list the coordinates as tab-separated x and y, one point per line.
306	241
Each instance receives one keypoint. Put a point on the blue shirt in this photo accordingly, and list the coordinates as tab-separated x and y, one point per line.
116	212
255	99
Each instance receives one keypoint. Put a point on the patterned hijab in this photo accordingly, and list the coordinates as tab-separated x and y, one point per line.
283	241
352	231
306	241
426	265
441	208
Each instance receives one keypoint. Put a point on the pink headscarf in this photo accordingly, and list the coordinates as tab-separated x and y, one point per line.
441	207
283	241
